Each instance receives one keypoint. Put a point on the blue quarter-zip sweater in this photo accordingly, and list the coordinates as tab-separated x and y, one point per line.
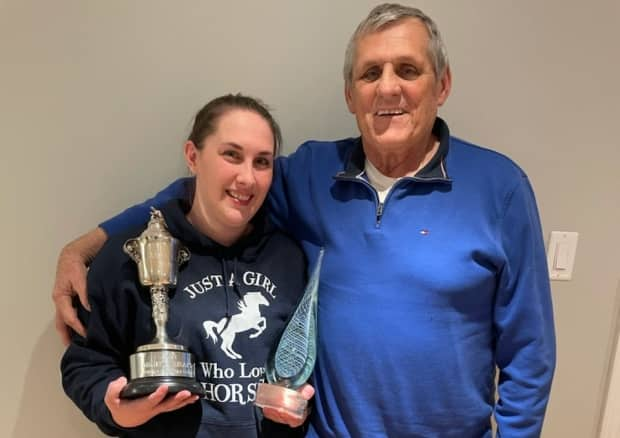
423	296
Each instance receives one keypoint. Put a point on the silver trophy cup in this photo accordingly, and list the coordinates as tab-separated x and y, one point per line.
162	362
292	362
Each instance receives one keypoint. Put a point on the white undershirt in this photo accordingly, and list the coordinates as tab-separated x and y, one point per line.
381	183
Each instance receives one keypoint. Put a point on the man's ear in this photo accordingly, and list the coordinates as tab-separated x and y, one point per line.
445	85
190	151
348	97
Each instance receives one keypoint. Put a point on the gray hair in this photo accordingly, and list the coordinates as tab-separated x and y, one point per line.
385	14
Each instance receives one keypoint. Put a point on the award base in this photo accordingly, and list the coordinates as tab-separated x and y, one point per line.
147	385
282	399
154	365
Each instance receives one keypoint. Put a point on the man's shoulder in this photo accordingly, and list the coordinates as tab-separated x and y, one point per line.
321	154
478	159
322	146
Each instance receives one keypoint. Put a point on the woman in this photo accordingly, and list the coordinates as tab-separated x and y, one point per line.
238	261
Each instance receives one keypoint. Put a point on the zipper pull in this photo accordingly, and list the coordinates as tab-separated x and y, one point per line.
379	213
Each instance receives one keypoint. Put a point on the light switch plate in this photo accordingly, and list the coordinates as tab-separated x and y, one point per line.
561	253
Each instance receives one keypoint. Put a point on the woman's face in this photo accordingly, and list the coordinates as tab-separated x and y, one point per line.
233	172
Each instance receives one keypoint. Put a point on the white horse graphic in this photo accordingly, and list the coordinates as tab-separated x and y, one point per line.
248	318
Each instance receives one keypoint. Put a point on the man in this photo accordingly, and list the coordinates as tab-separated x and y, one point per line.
434	271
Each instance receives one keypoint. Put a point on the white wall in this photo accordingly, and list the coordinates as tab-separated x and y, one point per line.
96	97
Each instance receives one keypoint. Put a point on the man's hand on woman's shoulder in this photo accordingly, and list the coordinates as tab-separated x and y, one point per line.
71	281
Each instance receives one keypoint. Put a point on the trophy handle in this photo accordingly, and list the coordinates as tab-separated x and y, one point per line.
183	255
131	249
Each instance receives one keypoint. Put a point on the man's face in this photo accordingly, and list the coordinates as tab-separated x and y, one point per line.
394	92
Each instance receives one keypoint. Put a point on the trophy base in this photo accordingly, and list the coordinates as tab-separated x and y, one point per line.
161	364
282	399
147	385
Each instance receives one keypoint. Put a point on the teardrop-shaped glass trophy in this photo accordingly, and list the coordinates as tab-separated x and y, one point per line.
292	362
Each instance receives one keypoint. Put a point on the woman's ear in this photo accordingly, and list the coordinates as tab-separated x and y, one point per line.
191	156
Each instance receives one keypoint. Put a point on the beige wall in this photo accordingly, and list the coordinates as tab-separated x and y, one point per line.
96	96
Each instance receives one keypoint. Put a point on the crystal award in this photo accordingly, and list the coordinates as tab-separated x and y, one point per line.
292	362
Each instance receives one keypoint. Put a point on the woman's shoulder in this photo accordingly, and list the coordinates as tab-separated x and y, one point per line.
286	243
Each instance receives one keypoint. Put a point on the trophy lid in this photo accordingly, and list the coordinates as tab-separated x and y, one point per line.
157	227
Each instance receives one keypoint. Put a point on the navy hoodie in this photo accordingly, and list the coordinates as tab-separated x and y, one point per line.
229	308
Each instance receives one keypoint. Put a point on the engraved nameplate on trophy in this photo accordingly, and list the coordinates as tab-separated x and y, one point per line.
161	362
292	362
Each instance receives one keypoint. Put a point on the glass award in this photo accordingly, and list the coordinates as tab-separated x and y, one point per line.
291	363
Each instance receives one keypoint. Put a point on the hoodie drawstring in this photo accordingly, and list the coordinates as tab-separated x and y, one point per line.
226	283
236	280
225	272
